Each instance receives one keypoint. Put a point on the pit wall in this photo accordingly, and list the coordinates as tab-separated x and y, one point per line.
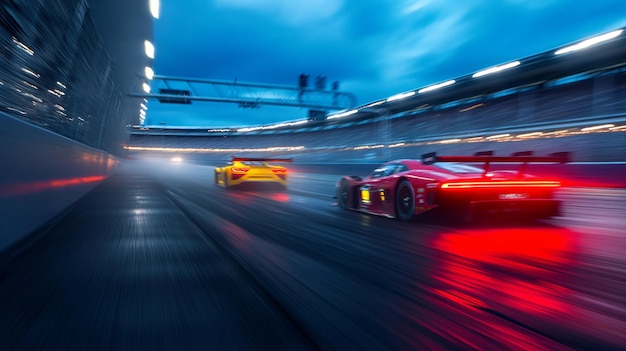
42	173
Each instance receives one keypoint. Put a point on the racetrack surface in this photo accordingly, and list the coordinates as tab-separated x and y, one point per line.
159	258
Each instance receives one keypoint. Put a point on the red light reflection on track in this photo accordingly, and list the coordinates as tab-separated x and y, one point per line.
512	272
508	266
493	245
280	197
17	189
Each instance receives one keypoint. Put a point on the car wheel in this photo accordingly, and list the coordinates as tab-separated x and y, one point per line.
405	200
343	194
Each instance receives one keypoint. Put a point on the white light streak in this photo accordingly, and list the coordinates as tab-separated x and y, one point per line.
272	126
495	69
604	126
30	85
343	114
36	75
400	96
267	149
373	104
149	49
16	110
154	8
146	87
437	86
530	135
149	72
32	97
366	147
557	132
450	141
499	136
54	93
589	42
23	47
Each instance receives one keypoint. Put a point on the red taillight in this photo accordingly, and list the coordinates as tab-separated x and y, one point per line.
503	184
279	170
239	170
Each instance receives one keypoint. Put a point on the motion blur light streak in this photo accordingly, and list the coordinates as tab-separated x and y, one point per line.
437	86
589	42
280	197
496	69
17	189
501	184
400	96
489	245
516	273
604	126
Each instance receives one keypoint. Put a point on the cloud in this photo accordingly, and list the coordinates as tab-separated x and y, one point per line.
295	13
375	48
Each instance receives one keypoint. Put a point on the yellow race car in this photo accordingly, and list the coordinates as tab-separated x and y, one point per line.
242	170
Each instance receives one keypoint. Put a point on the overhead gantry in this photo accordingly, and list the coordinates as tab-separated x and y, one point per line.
179	90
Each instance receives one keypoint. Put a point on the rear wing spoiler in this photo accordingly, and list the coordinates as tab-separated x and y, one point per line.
487	157
261	159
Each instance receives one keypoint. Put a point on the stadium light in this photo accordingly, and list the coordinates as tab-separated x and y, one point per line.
437	86
149	72
343	114
499	136
154	8
496	69
149	49
376	103
589	42
604	126
400	96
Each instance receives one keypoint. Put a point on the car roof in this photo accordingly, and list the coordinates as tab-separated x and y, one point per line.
412	164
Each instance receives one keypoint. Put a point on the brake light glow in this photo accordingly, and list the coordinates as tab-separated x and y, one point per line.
504	184
236	170
279	170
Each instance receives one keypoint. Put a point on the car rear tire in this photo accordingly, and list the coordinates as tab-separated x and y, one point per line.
343	194
405	200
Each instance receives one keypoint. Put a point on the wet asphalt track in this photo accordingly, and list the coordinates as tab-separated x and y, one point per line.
158	258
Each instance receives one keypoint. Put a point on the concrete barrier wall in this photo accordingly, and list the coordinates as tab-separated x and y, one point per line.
41	174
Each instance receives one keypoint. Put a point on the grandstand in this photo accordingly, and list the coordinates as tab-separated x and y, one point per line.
547	102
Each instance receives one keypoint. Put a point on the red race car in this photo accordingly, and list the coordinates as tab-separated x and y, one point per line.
405	188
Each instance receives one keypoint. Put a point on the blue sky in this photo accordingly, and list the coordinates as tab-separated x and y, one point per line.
374	48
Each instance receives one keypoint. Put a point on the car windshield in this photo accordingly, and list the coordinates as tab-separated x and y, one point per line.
459	167
387	169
